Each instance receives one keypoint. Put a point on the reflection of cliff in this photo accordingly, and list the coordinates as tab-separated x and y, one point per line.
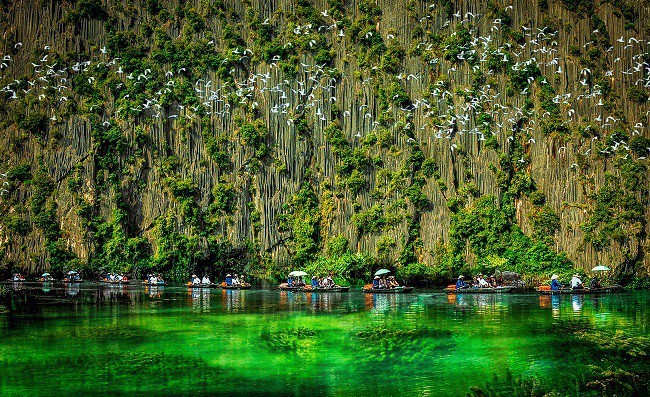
201	132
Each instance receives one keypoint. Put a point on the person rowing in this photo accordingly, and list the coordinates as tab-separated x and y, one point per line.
460	284
555	285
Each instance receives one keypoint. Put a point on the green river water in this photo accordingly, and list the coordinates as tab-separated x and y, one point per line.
95	340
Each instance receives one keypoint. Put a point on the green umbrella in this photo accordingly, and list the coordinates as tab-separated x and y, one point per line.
600	268
297	273
381	272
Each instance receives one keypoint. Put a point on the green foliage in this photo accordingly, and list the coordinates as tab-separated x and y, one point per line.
338	245
300	218
347	266
371	220
15	223
490	233
545	223
19	173
224	198
35	122
618	215
582	7
87	9
637	95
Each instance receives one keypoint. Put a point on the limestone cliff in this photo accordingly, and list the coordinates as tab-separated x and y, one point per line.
427	135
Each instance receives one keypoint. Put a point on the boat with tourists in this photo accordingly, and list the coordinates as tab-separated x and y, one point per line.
72	277
451	289
384	284
154	280
295	282
608	289
46	278
114	279
16	278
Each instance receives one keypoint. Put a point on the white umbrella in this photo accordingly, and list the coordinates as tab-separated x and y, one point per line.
600	268
297	273
45	275
381	272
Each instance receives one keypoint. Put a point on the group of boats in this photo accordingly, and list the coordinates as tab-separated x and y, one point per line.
382	284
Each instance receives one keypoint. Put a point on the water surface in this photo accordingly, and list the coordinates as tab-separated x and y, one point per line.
89	339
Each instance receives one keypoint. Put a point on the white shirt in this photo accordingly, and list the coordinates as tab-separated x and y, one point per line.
205	280
575	281
482	282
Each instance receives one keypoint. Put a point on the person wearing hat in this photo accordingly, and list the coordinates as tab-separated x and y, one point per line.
314	282
375	282
228	279
555	285
195	280
481	281
460	284
576	283
205	279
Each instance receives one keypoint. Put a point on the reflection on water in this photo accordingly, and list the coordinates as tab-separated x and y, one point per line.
191	340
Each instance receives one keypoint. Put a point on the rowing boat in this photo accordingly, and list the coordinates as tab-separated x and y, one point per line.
207	285
336	288
582	291
156	284
114	282
395	290
451	289
235	287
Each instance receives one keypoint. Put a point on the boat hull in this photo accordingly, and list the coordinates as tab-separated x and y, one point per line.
236	287
498	290
396	290
585	291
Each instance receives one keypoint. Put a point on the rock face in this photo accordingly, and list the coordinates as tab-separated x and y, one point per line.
434	136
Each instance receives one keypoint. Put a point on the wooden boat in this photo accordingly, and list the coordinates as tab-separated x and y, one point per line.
210	285
115	282
156	284
72	281
286	287
608	289
336	288
395	290
451	289
235	287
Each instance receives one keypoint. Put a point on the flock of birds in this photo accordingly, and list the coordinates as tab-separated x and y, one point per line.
439	114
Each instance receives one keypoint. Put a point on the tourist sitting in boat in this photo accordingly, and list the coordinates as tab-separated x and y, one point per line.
235	280
594	283
205	279
195	280
382	283
460	283
392	282
555	285
228	280
314	282
482	283
290	281
18	277
493	282
376	282
576	283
